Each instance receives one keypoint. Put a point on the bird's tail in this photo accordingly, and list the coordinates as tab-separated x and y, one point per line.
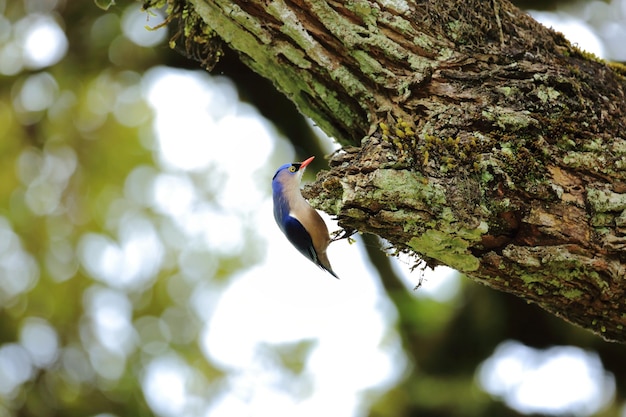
324	263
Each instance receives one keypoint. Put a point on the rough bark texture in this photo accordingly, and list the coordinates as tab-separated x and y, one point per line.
473	136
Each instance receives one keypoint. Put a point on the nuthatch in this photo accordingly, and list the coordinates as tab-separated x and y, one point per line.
302	225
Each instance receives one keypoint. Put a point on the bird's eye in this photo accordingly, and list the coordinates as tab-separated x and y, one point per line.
292	169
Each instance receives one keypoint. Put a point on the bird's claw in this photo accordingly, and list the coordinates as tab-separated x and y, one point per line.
343	234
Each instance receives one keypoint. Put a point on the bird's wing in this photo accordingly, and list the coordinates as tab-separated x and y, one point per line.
300	238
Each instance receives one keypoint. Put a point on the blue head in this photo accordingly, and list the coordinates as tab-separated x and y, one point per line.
290	172
286	188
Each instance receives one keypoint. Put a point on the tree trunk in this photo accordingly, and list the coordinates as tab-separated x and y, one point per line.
473	136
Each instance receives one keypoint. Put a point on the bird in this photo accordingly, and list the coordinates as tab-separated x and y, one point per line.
301	224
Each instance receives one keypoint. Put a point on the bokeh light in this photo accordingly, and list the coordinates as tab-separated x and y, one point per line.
556	381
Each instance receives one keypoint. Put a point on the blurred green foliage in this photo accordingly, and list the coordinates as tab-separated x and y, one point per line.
70	134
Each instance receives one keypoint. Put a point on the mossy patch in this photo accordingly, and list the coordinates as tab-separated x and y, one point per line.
451	251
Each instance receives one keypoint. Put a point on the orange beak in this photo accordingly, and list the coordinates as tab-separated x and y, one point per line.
306	162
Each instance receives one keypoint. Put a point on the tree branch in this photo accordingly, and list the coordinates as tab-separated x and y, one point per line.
482	140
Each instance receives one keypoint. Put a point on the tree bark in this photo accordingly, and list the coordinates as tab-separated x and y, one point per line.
473	137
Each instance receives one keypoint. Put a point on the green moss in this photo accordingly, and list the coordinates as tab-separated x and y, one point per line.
620	221
586	54
553	268
546	94
371	66
448	153
364	11
455	29
402	136
505	91
603	201
352	213
449	242
329	199
594	145
531	278
296	56
618	68
585	160
451	251
507	149
602	220
509	119
405	188
571	294
618	146
566	143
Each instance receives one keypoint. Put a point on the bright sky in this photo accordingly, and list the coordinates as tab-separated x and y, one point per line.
287	299
201	127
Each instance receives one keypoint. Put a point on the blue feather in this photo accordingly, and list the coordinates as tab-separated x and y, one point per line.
299	237
285	189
